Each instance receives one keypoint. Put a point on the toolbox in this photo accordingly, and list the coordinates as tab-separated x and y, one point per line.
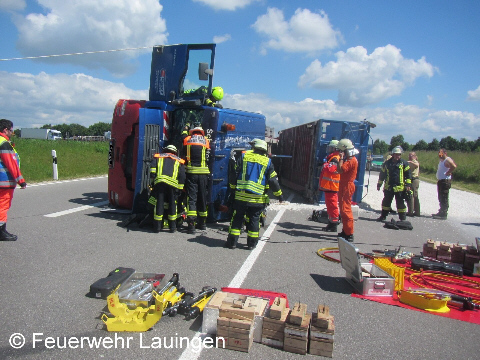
105	286
367	279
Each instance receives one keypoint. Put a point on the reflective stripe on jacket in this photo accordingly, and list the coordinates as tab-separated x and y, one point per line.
329	179
169	169
196	154
395	174
7	178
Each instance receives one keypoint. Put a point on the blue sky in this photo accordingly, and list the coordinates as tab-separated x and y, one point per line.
411	67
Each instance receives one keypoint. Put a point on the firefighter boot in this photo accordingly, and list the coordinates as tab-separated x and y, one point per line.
384	215
172	225
231	241
157	225
190	225
5	235
402	216
201	223
251	242
331	227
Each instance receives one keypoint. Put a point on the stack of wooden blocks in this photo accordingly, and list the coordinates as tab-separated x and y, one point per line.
274	323
322	332
235	322
296	330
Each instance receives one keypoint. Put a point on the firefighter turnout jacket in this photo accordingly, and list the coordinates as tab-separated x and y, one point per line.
396	175
168	168
254	174
197	148
10	173
329	178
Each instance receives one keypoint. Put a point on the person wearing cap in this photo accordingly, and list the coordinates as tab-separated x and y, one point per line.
396	177
347	168
167	175
253	172
329	183
196	153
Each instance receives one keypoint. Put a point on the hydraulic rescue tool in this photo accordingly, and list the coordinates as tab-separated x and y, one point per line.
191	306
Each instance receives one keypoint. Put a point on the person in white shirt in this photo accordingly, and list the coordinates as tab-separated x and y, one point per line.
446	166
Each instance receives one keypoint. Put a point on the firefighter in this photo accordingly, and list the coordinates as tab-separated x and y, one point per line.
196	152
395	175
215	97
347	168
253	171
329	183
167	174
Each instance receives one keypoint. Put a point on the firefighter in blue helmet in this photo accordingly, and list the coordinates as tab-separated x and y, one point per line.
254	171
167	174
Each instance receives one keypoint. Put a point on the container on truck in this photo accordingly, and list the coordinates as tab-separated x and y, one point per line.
306	146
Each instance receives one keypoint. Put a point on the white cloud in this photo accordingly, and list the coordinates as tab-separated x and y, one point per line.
88	25
400	119
12	5
226	4
33	100
222	38
474	95
363	79
304	32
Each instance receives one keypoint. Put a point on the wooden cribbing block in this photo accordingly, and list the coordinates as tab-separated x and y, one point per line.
297	314
277	308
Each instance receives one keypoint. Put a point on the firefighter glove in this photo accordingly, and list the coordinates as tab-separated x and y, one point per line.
379	186
23	185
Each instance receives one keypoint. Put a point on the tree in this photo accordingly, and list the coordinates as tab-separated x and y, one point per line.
398	141
380	147
434	145
464	145
420	145
99	128
449	143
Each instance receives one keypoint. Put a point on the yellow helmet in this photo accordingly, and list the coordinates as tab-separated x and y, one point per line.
217	93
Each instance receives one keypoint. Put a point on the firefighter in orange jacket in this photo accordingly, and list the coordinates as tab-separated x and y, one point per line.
167	173
196	152
329	183
347	167
10	176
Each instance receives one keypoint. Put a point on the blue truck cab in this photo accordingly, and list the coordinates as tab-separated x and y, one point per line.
181	79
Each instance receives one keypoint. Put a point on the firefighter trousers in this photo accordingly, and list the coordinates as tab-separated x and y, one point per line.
6	196
196	188
388	196
345	194
253	212
165	194
331	201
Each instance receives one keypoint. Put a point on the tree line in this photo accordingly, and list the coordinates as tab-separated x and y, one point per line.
69	130
448	143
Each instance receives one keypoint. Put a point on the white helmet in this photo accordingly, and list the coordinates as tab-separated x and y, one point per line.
171	148
260	144
345	144
397	150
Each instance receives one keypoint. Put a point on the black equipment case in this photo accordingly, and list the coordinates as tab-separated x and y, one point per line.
104	287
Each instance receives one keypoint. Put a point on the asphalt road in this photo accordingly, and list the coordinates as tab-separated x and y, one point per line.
65	243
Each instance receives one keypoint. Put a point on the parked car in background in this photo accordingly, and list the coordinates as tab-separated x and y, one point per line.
375	162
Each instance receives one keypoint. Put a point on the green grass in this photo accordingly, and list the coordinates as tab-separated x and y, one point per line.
75	159
82	159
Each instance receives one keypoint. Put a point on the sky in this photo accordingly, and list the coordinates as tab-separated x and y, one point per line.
410	67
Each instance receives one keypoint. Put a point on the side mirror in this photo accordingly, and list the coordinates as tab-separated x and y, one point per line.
204	71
